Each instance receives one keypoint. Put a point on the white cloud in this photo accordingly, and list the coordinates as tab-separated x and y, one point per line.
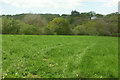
119	7
54	3
42	3
111	3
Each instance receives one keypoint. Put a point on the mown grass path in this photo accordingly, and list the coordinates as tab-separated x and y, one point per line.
49	56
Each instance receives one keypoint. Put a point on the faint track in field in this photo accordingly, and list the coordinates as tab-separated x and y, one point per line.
53	47
84	51
43	51
79	56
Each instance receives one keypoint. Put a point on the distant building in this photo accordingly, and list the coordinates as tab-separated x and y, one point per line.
94	17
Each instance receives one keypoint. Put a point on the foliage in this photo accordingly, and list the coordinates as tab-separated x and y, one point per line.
75	13
28	30
10	26
91	28
35	20
59	26
79	30
76	23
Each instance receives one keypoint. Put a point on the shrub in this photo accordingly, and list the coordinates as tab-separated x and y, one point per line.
28	30
79	30
10	26
91	28
58	26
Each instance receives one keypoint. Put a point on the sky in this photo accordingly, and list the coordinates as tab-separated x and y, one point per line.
57	6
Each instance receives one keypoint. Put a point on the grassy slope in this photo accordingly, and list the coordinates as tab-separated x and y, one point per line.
59	56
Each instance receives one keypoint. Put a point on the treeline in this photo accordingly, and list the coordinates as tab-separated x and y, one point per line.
76	23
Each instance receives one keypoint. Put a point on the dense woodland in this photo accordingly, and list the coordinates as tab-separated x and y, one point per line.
76	23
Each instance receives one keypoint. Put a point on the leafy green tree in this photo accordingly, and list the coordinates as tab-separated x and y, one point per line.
35	19
0	25
79	30
10	26
100	27
59	26
99	15
47	31
75	13
91	28
27	29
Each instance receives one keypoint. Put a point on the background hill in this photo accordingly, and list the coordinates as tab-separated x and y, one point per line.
88	23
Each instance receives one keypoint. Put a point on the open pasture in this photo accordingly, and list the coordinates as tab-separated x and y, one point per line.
58	56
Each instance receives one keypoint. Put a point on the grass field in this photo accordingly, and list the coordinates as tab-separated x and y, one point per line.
47	56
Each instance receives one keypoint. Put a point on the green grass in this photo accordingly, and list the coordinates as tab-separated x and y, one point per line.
47	56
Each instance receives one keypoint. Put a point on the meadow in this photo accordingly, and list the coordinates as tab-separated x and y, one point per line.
58	56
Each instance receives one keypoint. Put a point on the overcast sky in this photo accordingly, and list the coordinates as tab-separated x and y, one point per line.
57	6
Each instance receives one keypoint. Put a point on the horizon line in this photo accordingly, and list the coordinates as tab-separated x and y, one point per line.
53	13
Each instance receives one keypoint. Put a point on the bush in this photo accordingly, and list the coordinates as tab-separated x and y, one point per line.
35	20
28	30
91	28
79	30
58	26
10	26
